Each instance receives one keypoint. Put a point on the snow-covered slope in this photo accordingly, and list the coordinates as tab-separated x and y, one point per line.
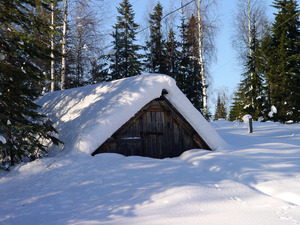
256	181
85	117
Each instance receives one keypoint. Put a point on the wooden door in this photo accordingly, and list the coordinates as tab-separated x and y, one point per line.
152	133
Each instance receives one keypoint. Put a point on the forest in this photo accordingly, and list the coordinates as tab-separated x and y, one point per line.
51	45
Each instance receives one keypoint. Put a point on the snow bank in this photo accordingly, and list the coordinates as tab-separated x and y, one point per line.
85	117
257	181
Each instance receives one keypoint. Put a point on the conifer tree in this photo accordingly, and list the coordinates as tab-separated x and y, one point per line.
221	108
183	57
237	110
283	76
188	76
22	128
172	55
249	21
126	59
156	45
253	88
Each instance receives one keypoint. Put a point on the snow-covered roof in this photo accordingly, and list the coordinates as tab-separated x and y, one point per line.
85	117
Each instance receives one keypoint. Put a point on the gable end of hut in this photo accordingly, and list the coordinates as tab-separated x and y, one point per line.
158	130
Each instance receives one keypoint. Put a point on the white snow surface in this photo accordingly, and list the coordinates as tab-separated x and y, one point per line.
85	117
255	181
246	118
272	111
2	139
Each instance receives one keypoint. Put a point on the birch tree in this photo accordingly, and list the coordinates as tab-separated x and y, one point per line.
63	46
201	58
249	14
250	21
82	40
52	48
207	23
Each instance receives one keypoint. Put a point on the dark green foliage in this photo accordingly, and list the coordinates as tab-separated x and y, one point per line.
237	110
21	33
272	76
45	14
188	78
221	108
282	61
177	59
252	84
99	70
172	55
125	61
156	45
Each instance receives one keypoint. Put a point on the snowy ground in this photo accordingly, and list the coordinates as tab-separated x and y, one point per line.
255	181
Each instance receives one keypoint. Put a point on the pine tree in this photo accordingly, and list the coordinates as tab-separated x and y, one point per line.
172	55
253	87
237	110
22	127
99	70
250	98
221	108
188	76
183	57
126	59
264	55
156	45
283	77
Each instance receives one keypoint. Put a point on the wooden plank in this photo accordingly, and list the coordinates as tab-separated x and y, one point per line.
151	133
157	130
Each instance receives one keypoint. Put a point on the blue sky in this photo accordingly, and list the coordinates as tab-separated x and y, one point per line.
226	71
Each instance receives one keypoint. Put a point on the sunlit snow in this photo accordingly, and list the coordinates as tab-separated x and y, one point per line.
254	181
85	117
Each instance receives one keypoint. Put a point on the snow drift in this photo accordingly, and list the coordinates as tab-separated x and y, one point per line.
256	181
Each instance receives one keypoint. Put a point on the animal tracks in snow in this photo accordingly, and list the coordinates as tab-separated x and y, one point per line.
282	214
234	198
238	200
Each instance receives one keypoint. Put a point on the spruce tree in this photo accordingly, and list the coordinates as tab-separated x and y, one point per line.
221	108
181	77
188	75
156	45
126	59
253	88
283	75
172	55
99	70
237	110
23	130
251	95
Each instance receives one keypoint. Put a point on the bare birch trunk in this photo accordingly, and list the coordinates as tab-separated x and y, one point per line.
250	43
63	50
201	62
52	48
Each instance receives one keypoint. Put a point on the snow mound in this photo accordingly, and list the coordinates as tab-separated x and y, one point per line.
246	118
85	117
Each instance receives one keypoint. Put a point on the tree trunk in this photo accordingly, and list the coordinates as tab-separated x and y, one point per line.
79	49
201	62
250	44
63	50
52	48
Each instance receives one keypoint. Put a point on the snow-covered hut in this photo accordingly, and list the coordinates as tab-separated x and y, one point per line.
144	115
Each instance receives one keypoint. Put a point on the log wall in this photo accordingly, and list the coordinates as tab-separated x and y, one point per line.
158	130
